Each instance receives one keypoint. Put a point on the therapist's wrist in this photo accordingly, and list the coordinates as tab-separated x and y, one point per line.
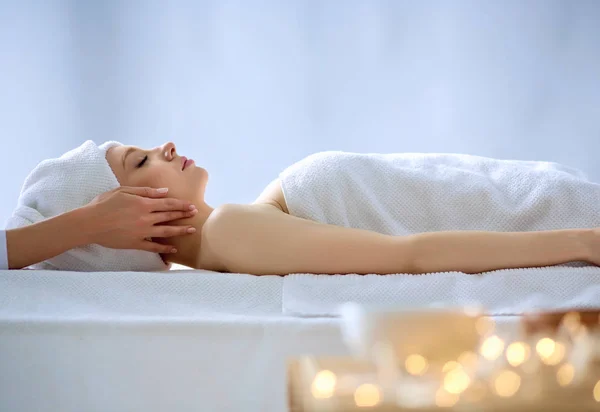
80	226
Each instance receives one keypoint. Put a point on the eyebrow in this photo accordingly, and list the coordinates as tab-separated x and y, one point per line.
127	152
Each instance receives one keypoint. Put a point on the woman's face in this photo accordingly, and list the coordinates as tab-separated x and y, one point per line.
158	167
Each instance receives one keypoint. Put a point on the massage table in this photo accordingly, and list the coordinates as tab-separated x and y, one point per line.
194	340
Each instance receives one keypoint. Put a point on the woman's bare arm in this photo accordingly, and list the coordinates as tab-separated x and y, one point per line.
43	240
120	219
475	251
260	239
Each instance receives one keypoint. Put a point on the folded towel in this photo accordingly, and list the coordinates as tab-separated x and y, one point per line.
57	296
400	194
62	184
501	292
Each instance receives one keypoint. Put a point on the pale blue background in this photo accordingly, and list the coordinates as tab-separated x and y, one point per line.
248	87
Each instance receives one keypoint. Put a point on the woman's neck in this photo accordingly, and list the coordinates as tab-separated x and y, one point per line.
189	246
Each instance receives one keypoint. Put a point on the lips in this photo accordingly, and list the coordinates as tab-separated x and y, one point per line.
185	162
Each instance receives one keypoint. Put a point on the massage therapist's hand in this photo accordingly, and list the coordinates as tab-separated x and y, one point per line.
125	218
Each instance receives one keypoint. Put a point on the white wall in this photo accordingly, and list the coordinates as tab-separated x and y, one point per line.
247	87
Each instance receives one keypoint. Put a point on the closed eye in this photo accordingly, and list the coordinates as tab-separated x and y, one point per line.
140	164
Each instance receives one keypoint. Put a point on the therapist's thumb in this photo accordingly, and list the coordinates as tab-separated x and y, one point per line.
144	191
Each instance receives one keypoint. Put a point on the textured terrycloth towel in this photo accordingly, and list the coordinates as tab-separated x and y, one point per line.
500	292
400	194
59	185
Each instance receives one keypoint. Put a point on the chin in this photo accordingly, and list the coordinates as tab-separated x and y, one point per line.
200	179
202	173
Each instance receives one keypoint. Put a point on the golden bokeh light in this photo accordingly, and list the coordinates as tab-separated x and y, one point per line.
416	364
597	392
367	395
517	353
545	347
554	357
456	381
448	366
565	374
323	385
492	347
507	383
572	321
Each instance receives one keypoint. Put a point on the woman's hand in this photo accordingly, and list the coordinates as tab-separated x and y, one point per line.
127	217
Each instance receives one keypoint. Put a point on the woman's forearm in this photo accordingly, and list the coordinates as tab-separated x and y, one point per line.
474	251
40	241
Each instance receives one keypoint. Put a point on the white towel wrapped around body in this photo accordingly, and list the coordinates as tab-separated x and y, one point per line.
62	184
402	194
405	193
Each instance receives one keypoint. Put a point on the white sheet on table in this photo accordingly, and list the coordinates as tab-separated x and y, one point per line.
177	340
501	292
104	295
182	340
216	364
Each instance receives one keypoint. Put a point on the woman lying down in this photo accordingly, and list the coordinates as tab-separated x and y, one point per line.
338	212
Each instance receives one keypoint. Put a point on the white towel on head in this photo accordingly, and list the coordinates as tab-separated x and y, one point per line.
62	184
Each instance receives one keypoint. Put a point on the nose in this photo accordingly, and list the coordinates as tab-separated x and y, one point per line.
168	150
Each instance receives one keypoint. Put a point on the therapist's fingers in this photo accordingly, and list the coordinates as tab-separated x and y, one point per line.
169	204
170	231
156	198
144	191
154	247
161	217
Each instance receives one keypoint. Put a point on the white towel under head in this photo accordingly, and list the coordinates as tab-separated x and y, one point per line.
62	184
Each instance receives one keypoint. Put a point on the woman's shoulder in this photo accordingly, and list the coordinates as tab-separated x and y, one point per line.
220	220
221	230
